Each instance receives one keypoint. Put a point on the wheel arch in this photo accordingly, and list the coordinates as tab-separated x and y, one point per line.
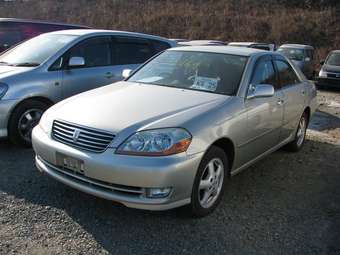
227	145
308	112
41	99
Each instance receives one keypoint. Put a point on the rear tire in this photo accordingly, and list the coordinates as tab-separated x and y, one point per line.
300	135
209	184
23	119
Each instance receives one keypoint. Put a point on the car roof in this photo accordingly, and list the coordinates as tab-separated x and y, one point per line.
86	32
247	43
202	42
335	51
298	46
39	22
232	50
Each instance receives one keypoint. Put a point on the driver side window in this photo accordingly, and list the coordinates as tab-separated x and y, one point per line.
95	51
265	74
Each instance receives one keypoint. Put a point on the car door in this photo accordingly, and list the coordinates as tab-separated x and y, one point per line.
130	52
264	114
293	90
98	68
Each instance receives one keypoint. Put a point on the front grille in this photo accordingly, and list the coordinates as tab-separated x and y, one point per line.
81	137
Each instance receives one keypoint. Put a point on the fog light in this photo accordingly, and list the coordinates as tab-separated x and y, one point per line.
157	192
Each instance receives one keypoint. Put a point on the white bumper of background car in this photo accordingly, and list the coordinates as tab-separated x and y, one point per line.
120	178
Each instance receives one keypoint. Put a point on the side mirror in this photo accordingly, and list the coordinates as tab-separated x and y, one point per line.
307	59
76	62
126	73
322	62
261	90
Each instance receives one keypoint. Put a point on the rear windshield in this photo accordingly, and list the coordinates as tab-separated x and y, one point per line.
9	36
293	54
204	71
333	59
36	50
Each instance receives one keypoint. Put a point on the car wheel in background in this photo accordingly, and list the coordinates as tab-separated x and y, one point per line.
209	182
300	135
23	119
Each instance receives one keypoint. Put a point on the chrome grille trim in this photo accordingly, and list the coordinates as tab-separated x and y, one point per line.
80	137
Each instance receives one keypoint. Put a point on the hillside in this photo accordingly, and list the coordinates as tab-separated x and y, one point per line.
280	21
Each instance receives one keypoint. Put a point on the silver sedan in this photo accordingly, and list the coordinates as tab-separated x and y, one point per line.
176	129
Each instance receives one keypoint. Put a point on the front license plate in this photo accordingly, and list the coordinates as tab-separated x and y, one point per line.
70	163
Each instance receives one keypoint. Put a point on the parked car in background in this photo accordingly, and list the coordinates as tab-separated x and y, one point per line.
53	66
302	56
255	45
201	43
14	31
177	128
329	75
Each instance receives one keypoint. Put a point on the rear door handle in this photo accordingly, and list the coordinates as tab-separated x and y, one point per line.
109	75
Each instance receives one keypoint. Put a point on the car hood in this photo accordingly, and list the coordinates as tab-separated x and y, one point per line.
134	106
6	71
330	68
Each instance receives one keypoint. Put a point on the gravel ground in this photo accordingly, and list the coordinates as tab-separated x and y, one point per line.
285	204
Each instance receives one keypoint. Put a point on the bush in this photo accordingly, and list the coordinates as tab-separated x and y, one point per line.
279	21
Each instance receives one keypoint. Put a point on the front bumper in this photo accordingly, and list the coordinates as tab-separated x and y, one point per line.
6	107
328	82
121	178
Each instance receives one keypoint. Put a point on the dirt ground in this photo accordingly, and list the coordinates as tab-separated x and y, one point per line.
288	203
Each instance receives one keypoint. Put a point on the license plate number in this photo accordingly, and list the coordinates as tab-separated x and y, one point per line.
70	163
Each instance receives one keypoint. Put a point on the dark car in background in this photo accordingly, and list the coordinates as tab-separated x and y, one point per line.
14	31
302	56
329	75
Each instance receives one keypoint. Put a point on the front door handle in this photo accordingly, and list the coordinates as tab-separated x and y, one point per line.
303	92
280	102
109	75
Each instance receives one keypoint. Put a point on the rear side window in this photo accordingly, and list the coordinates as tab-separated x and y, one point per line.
95	51
265	74
286	73
129	50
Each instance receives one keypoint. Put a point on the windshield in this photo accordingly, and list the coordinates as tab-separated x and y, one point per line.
210	72
35	51
294	54
333	59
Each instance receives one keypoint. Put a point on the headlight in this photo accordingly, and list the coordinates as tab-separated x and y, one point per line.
322	73
157	142
3	89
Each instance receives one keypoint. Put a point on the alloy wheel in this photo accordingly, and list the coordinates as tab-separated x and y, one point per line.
27	122
301	131
211	183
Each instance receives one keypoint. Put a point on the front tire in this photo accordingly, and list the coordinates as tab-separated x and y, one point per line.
209	182
300	135
22	121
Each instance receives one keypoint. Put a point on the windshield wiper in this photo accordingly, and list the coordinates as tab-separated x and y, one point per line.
27	64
